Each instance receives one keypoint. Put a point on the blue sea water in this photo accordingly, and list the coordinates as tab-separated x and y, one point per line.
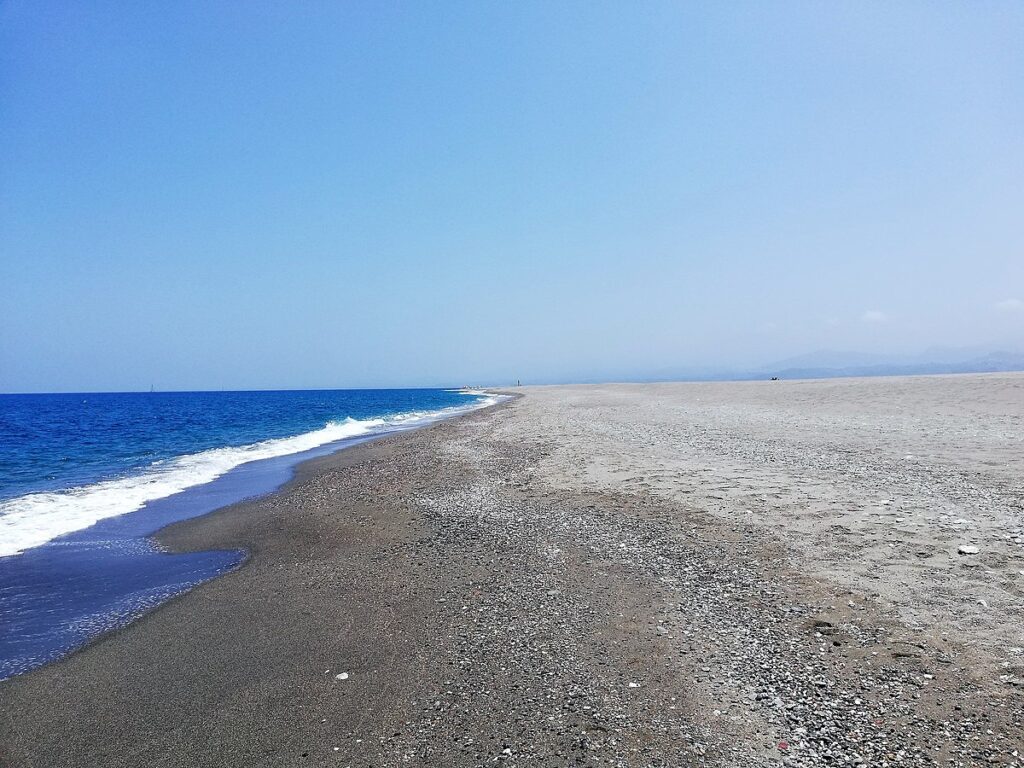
86	478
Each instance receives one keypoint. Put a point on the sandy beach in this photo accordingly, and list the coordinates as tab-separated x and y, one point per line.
808	573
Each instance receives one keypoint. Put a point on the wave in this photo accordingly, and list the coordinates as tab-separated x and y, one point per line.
34	519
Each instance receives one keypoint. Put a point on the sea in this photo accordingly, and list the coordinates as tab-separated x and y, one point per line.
86	479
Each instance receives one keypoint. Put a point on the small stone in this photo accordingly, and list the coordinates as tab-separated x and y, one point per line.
341	676
968	549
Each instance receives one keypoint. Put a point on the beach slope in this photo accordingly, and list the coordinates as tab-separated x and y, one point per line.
736	574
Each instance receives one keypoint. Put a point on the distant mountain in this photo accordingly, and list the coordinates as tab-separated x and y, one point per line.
828	364
831	364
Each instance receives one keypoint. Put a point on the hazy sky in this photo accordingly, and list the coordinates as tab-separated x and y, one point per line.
250	195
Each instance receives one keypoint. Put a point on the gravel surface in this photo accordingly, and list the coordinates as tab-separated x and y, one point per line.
552	583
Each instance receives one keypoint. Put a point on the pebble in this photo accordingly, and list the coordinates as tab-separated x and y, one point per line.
543	667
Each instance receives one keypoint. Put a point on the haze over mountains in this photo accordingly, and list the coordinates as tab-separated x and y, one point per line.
835	363
828	363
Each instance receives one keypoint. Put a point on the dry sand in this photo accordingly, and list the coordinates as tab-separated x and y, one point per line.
871	484
629	575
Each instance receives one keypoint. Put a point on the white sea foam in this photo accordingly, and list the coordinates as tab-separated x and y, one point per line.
31	520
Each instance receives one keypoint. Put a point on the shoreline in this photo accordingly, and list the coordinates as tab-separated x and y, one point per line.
272	476
539	584
105	663
177	537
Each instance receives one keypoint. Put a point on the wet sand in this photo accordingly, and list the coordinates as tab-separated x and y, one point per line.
627	575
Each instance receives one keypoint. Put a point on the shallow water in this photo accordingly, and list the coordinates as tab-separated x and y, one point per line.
78	557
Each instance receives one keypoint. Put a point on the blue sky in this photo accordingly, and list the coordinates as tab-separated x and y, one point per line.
249	195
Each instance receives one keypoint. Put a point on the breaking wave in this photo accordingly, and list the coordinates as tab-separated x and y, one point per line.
36	518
